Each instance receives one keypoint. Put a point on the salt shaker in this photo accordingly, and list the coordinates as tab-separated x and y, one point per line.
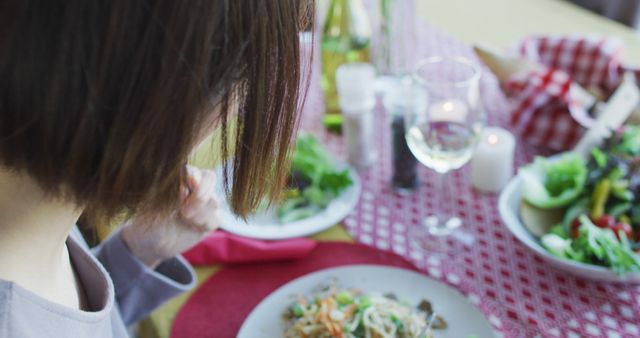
398	102
354	82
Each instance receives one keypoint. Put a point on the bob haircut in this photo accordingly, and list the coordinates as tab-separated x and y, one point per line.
102	102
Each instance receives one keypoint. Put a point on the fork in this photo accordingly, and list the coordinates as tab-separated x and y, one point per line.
430	320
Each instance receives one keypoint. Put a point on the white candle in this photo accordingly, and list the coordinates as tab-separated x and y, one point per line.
492	162
448	110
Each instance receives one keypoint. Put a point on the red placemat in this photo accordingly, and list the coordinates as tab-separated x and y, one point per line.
218	308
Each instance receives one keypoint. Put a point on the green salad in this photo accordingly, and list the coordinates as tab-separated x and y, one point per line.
600	199
314	181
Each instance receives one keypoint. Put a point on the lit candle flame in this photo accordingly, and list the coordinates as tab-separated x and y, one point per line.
492	139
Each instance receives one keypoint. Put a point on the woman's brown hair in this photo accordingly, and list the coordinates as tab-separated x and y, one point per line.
101	102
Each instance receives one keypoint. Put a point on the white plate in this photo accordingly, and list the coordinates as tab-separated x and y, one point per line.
462	317
509	205
266	225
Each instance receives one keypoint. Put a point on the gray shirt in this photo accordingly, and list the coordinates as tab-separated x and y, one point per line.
120	290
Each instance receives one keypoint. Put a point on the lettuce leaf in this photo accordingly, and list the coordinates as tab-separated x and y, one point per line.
594	245
554	183
600	246
556	244
323	182
630	142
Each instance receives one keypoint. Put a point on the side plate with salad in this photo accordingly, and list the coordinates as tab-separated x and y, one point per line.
321	193
582	215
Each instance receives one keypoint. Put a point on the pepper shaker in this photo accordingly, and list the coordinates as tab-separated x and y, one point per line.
398	102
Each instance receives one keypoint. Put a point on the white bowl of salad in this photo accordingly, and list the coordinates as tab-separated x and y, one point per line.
581	215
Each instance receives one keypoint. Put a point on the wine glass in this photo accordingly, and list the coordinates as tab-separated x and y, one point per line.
442	135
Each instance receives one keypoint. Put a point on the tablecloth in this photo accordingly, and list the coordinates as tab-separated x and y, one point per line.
520	294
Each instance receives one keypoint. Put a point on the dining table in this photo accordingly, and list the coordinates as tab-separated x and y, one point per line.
519	294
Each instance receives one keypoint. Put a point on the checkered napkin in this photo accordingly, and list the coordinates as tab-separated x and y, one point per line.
543	109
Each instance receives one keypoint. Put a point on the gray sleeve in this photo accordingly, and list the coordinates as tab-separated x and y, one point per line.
138	288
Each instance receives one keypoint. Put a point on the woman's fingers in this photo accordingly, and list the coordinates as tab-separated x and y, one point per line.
200	208
207	184
192	182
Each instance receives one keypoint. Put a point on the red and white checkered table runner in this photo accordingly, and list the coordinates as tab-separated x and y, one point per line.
541	104
520	294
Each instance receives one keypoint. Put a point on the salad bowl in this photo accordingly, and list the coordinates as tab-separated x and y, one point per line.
509	205
581	211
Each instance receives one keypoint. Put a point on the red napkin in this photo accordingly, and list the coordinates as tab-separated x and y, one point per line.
543	109
220	305
223	247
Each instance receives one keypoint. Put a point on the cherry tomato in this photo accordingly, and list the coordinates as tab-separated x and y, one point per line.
575	225
605	221
624	227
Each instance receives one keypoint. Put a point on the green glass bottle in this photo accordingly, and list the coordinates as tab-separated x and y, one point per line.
346	37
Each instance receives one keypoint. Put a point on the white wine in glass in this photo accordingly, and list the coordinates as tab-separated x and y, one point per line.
442	145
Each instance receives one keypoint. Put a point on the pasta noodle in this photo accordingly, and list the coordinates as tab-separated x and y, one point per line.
350	314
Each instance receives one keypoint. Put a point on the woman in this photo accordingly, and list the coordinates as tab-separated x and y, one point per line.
101	104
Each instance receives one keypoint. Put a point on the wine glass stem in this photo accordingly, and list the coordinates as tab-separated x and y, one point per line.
441	196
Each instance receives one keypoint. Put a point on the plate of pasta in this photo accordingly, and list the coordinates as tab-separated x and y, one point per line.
365	301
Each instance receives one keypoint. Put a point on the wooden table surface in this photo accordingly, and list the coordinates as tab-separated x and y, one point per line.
500	23
494	23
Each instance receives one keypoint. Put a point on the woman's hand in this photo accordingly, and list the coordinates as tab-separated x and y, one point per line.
153	239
